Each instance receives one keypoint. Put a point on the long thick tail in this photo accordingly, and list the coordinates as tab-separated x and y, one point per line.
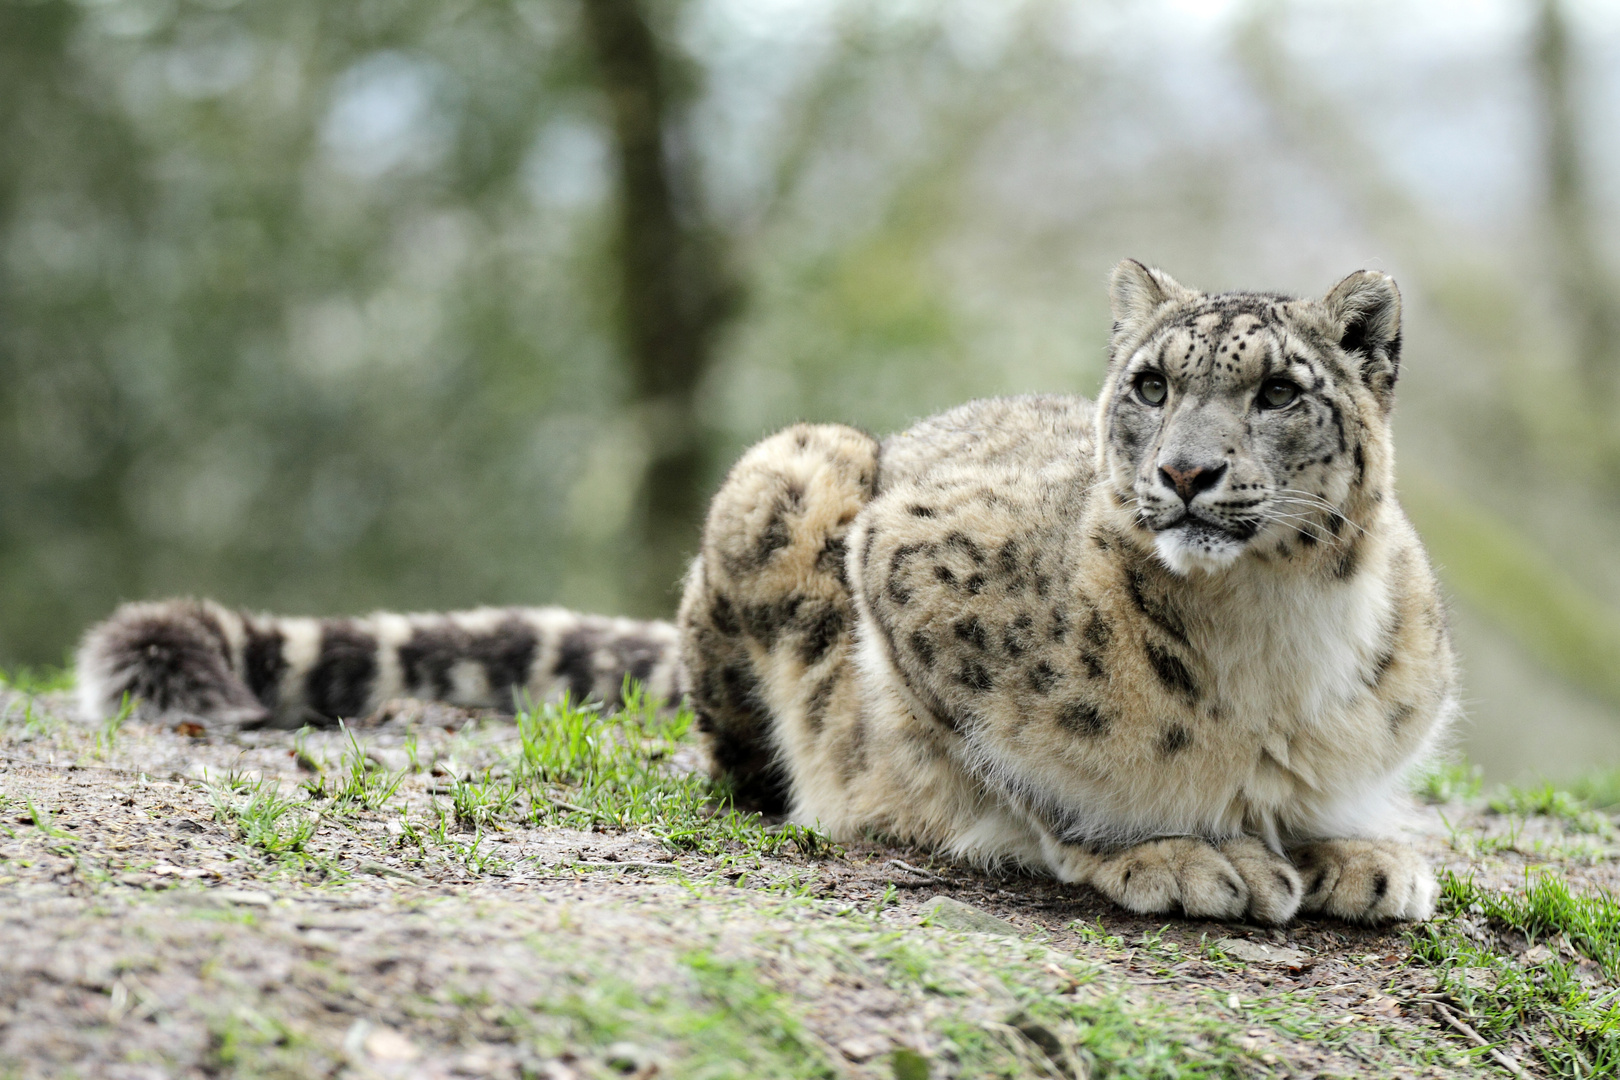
178	658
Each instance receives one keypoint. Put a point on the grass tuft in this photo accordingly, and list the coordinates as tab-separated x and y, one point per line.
1549	801
43	680
107	736
1448	781
578	766
1549	1001
264	820
1600	790
359	782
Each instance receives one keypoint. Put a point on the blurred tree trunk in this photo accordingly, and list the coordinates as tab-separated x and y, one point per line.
53	351
1585	286
675	291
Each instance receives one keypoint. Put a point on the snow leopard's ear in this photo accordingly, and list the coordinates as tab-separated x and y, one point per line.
1364	319
1136	293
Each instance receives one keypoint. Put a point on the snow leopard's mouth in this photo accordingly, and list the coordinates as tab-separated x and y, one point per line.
1193	527
1194	543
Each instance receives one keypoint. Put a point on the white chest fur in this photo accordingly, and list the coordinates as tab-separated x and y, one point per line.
1289	656
1287	651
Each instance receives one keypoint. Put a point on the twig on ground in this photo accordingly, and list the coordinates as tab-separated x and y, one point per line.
562	804
928	875
378	869
1477	1039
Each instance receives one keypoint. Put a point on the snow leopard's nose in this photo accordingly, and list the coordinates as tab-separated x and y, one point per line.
1189	479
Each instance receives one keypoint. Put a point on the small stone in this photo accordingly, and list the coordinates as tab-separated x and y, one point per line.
628	1059
1258	952
164	869
955	915
860	1048
474	1063
244	897
386	1044
552	1069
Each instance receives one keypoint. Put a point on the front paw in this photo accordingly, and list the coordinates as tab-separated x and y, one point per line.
1365	881
1239	879
1275	887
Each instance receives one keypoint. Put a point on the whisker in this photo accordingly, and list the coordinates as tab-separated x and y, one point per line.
1309	517
1309	496
1300	524
1302	493
1317	508
1108	482
1300	497
1105	481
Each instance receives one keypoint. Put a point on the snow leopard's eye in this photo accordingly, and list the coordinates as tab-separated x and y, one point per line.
1277	393
1151	388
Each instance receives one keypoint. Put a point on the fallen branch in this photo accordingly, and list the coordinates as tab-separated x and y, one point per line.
1475	1037
562	804
927	875
378	869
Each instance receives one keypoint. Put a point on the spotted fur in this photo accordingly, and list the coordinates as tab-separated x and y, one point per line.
198	659
1179	644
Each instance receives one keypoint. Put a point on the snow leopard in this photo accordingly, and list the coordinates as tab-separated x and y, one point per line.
1180	645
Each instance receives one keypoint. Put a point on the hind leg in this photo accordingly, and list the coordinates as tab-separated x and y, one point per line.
766	617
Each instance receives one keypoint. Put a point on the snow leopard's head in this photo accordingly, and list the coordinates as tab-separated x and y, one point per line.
1247	423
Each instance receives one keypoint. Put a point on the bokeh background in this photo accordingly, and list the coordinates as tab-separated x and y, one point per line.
324	306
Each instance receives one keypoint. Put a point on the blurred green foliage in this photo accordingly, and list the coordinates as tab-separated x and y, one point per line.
310	306
1500	573
313	306
1600	790
281	308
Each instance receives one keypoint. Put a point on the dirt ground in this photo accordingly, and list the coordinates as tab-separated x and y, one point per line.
141	936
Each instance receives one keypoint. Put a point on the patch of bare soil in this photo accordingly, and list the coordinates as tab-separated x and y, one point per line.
144	934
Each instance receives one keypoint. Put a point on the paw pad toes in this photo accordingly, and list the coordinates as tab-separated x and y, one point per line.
1367	881
1273	885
